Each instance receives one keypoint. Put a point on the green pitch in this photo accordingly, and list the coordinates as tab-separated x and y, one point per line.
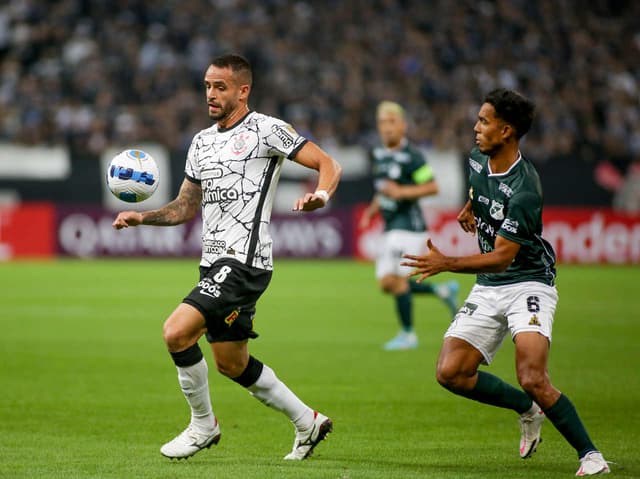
88	391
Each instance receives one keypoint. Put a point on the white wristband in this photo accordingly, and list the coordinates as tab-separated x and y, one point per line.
323	194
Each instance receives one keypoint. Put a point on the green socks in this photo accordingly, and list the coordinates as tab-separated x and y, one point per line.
424	287
492	390
564	417
403	308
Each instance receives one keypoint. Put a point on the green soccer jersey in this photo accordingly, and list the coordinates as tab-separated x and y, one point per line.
405	166
510	205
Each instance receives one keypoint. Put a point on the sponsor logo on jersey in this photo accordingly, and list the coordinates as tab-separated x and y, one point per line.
508	192
284	136
510	225
233	315
497	210
534	321
475	165
212	173
483	199
485	227
485	246
402	157
217	194
216	247
209	289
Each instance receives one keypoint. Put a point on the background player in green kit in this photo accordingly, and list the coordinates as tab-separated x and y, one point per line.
402	176
514	291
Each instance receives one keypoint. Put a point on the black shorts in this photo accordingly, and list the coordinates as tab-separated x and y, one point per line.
226	296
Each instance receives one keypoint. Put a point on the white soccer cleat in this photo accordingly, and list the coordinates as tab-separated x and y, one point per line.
190	441
591	464
306	441
402	342
530	425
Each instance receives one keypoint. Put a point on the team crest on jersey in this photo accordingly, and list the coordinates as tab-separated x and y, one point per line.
394	172
497	210
239	144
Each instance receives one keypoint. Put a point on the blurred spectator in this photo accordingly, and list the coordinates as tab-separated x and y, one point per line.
93	73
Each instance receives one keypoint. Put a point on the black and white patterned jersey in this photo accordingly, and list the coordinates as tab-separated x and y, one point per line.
238	169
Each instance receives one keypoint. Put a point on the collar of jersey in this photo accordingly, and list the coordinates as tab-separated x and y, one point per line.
403	144
510	168
222	130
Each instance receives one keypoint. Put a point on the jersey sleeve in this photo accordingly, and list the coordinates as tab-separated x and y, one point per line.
523	218
191	169
419	169
280	138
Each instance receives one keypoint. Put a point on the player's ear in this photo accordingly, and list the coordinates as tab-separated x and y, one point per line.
244	92
508	131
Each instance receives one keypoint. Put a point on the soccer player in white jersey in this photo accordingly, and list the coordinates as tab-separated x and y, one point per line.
232	170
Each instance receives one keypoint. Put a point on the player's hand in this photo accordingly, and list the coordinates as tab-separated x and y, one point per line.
309	202
466	219
127	218
426	265
365	221
391	189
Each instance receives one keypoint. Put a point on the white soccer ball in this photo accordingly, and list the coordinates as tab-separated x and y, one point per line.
133	176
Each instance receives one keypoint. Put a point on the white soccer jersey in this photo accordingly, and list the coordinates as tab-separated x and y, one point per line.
238	169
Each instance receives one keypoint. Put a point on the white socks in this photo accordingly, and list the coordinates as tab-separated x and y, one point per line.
269	390
195	387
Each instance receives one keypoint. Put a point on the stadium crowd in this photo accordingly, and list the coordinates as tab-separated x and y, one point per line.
90	73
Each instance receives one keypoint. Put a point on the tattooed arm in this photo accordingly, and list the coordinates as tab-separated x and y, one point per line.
180	210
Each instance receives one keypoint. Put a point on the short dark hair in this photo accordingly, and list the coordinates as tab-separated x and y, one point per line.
238	64
513	108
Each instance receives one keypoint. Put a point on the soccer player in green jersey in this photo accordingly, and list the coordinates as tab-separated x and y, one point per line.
402	176
514	291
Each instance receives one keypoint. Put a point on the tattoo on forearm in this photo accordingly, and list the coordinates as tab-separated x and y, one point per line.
180	210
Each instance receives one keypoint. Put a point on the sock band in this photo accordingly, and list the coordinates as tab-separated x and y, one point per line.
251	373
190	356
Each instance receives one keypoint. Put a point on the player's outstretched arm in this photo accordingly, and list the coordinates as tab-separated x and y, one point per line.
370	211
397	191
180	210
435	262
329	172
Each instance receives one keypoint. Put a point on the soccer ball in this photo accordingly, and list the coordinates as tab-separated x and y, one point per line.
133	176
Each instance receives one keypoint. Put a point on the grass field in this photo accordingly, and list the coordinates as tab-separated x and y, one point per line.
88	391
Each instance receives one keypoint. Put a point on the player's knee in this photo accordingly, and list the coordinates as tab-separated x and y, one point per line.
174	337
532	382
392	284
448	376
